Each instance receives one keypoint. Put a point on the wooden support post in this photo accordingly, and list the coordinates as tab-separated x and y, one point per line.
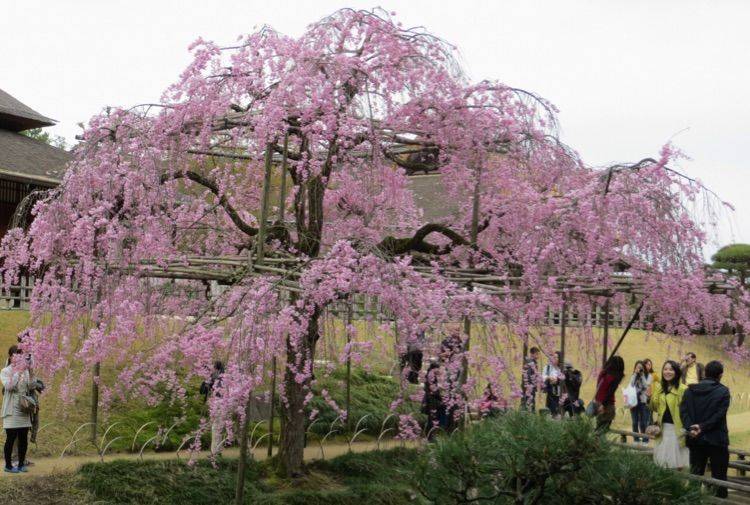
605	333
282	191
524	385
271	407
464	376
741	457
264	202
95	401
282	201
239	490
348	370
563	320
239	494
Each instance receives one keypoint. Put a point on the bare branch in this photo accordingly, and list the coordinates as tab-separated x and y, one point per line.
214	188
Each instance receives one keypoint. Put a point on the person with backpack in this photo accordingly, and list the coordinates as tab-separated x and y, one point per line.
639	411
412	359
666	402
17	408
704	414
606	386
572	405
210	388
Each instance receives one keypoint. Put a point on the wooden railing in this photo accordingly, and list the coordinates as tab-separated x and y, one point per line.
740	464
17	296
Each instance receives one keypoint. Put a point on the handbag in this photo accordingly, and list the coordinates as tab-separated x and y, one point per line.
27	404
592	408
653	430
630	395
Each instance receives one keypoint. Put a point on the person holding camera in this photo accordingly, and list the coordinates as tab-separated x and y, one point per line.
553	378
704	413
17	409
639	411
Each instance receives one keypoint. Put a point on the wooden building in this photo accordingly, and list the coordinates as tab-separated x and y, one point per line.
26	164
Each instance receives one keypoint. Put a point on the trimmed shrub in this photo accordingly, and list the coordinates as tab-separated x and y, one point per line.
523	458
621	477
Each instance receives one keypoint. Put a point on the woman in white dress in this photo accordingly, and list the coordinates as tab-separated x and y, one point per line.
16	423
666	397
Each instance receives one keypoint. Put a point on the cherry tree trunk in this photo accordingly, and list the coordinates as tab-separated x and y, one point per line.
292	443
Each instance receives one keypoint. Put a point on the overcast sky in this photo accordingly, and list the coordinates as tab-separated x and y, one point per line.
627	76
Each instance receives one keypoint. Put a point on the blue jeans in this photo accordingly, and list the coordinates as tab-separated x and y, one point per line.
639	414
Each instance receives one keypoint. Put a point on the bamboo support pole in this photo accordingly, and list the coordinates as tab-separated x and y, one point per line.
282	191
271	407
563	322
627	328
605	334
264	203
348	370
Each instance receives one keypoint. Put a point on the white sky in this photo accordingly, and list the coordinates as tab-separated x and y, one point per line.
627	75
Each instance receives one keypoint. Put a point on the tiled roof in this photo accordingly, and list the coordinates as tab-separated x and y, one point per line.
26	159
16	116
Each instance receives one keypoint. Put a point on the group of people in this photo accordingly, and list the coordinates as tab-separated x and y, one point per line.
562	385
439	404
683	407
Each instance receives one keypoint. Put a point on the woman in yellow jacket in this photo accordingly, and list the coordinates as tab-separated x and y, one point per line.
666	397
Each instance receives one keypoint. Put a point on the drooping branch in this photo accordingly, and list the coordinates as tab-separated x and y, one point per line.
214	188
395	246
614	169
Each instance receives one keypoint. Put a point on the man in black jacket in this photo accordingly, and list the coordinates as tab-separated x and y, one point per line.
529	379
704	414
572	405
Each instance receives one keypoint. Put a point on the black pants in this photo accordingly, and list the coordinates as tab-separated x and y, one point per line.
639	416
553	404
11	436
572	407
719	458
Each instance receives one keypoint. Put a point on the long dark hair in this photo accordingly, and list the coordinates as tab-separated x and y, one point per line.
674	383
635	365
647	372
14	349
615	366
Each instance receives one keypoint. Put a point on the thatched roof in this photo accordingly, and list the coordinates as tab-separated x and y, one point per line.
430	197
16	116
28	160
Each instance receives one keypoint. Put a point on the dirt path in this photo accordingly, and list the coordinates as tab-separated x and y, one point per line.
51	465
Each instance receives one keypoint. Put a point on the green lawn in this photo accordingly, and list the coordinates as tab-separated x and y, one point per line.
583	352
